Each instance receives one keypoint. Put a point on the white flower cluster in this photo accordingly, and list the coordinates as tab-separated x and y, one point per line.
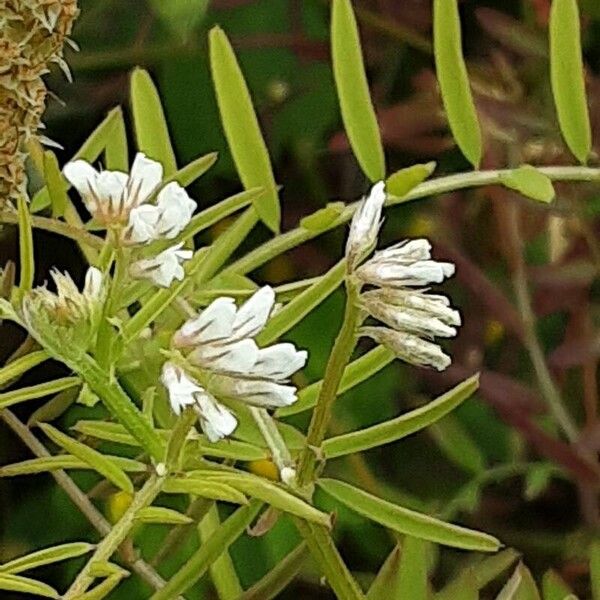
221	349
123	202
400	301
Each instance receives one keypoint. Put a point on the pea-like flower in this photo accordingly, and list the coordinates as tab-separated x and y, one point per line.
365	225
413	316
117	199
163	268
227	362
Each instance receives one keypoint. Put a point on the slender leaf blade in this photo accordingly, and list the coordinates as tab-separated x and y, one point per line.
567	78
21	365
395	429
26	256
530	182
95	459
55	184
16	583
46	556
403	181
386	582
37	391
241	128
553	587
150	125
408	521
214	490
352	87
454	81
162	515
412	576
595	569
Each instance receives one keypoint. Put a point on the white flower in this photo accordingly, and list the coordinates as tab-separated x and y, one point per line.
405	264
220	343
116	198
216	421
409	348
365	225
412	314
163	268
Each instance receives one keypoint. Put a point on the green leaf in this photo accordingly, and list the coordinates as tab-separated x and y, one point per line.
567	77
520	586
16	583
56	184
241	128
65	461
116	152
26	256
159	514
322	218
37	391
270	493
279	577
412	578
21	365
537	480
53	408
352	87
465	588
218	543
46	556
356	372
103	589
553	587
295	310
595	569
385	584
92	457
457	445
408	521
404	180
530	182
214	490
150	125
192	171
454	81
480	574
395	429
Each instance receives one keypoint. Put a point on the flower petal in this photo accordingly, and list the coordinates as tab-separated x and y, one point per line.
82	176
215	322
258	392
180	387
236	358
176	209
279	361
145	176
142	224
216	421
254	313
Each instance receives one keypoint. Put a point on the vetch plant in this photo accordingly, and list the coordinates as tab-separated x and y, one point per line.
200	389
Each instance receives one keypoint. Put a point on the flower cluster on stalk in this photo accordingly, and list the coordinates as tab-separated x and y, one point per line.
124	204
223	361
398	277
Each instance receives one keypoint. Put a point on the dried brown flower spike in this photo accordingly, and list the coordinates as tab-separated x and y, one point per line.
32	36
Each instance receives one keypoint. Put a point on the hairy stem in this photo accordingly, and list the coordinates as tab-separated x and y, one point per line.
117	535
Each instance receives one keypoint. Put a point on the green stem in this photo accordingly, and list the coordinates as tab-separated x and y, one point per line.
284	242
330	562
110	544
338	359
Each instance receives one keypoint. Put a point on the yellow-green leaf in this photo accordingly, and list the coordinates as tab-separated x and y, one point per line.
412	576
116	152
567	77
25	246
46	557
214	490
454	81
16	583
192	171
21	365
103	589
595	569
352	86
151	132
521	586
401	426
56	184
385	584
530	182
403	181
160	514
92	457
407	521
323	217
241	128
37	391
553	587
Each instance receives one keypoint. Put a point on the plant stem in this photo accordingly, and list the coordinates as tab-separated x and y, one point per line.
338	359
117	535
79	499
279	451
284	242
545	381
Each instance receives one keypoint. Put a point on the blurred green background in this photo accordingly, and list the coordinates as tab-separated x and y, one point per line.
548	512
